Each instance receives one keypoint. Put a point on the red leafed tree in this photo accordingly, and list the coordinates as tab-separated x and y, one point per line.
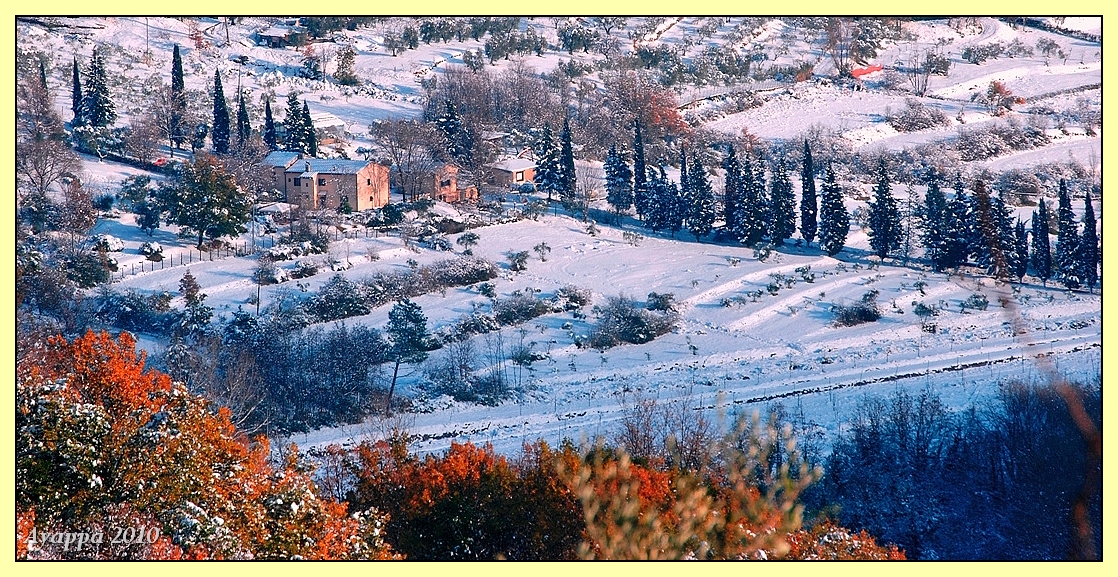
104	443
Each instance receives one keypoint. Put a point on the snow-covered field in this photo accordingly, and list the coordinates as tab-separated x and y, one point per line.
741	357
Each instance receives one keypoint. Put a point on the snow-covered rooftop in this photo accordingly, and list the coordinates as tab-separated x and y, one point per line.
513	164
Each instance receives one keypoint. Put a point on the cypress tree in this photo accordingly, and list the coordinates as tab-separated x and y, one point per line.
884	217
701	212
1067	240
659	202
1020	250
684	179
834	221
178	101
619	182
219	135
566	161
43	76
782	206
244	129
640	172
310	139
1089	246
76	96
269	128
987	217
1042	252
934	219
731	193
98	109
809	224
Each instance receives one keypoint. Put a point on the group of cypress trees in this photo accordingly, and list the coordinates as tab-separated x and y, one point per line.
973	228
555	167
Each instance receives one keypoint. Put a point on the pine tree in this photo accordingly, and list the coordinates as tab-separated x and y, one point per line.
449	124
700	204
910	215
1042	251
293	125
310	139
958	230
1067	240
834	221
640	173
808	202
934	220
547	167
684	178
731	192
884	217
752	218
410	341
98	109
1020	251
269	128
178	126
204	199
219	134
76	96
619	182
1089	246
566	162
987	216
782	206
244	128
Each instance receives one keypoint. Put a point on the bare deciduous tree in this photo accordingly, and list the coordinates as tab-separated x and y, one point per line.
412	148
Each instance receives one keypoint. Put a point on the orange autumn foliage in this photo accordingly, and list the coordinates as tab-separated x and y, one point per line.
100	437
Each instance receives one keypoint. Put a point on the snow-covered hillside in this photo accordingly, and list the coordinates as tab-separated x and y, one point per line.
752	332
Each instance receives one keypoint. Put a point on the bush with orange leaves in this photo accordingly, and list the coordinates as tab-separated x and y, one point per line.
102	443
468	503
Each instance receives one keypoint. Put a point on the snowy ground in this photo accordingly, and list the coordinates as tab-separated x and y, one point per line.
742	357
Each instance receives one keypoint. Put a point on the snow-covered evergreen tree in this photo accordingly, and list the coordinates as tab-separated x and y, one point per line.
346	73
619	182
293	124
1089	245
566	163
98	109
700	203
76	96
884	216
934	221
310	139
782	206
958	233
834	221
752	219
269	135
547	164
178	123
244	128
1042	251
640	173
1067	240
732	192
449	124
809	210
219	134
1020	262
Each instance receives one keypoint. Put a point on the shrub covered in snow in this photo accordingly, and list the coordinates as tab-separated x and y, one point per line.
519	307
622	320
863	311
303	269
915	116
152	250
107	243
133	311
339	298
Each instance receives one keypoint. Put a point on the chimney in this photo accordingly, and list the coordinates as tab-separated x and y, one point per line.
308	166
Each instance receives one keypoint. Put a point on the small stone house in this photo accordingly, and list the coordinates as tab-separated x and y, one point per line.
321	183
